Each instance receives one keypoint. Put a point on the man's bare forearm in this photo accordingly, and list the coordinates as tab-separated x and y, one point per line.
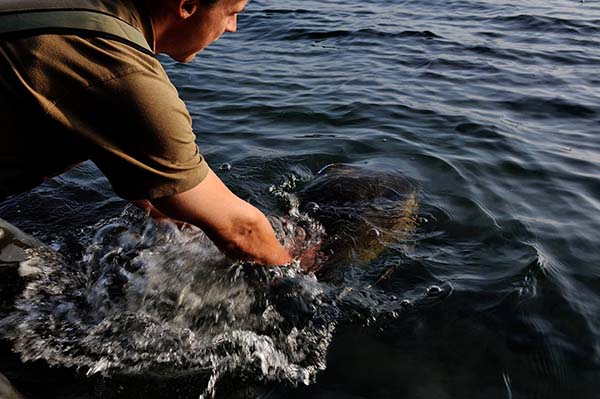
235	226
251	239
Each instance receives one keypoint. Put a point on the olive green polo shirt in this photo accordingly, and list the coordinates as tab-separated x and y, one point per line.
67	98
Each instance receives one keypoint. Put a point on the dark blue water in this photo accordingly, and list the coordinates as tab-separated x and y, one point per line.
490	108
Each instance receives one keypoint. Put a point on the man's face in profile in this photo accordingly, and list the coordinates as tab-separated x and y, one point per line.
205	25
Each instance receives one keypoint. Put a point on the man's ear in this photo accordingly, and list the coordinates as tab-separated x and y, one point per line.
187	8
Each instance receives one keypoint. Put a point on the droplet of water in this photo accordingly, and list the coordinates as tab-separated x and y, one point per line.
55	245
374	232
312	207
405	303
434	290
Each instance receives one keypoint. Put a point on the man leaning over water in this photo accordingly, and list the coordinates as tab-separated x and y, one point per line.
78	83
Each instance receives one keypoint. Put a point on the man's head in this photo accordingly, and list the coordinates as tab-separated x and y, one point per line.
183	28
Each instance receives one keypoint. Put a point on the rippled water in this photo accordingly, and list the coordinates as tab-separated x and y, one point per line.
491	111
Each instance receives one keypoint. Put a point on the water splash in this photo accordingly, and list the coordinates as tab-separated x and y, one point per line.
148	298
156	299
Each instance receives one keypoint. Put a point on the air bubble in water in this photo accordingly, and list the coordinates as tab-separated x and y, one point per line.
312	207
434	290
225	166
374	232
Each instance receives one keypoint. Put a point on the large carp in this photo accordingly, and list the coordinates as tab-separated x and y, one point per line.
363	210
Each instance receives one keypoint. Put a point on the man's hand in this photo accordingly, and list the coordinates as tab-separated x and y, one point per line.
310	259
304	247
239	229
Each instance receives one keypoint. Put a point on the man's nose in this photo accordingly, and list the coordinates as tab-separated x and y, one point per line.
231	23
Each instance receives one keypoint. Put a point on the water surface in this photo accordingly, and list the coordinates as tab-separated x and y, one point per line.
491	109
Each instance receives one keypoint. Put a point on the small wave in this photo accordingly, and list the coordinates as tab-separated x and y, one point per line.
539	107
288	11
304	34
541	23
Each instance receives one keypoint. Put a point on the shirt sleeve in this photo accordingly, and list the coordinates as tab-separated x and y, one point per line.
140	135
